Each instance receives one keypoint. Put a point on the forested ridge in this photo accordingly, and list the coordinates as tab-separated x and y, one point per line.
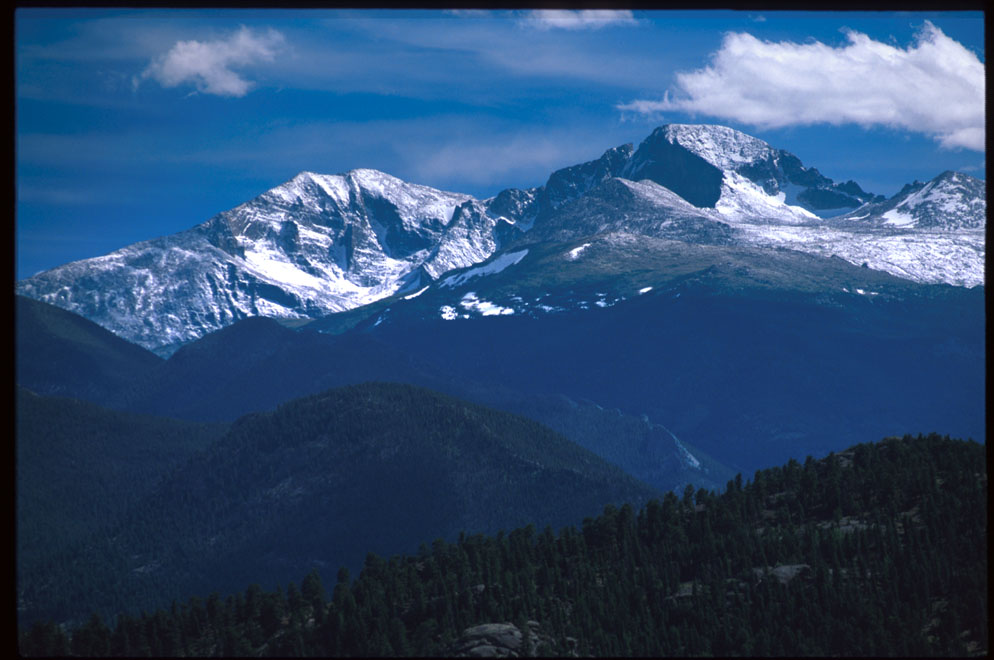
79	465
877	550
320	481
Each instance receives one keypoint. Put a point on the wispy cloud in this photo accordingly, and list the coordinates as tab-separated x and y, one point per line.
210	65
47	193
488	59
479	155
584	19
934	87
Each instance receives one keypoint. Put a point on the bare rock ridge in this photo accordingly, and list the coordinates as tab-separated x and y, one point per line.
320	244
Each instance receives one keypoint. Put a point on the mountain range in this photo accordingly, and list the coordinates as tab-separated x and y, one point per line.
688	283
322	244
658	318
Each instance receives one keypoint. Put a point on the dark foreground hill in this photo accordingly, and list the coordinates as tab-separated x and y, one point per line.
877	550
79	466
320	482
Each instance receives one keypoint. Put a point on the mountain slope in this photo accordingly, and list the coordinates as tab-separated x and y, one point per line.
930	233
752	355
322	481
256	364
63	354
748	355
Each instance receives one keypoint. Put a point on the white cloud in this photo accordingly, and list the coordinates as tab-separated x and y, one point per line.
585	19
935	86
209	65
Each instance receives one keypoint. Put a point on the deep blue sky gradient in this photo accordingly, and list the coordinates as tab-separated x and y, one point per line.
470	103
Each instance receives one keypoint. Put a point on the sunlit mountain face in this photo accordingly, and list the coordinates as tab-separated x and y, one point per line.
322	244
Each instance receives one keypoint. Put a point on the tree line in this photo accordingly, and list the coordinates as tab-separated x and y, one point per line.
877	550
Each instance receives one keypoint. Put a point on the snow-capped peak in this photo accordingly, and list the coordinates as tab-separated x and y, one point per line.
951	201
322	243
723	147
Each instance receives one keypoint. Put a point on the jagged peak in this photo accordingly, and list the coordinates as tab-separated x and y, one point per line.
361	176
724	147
625	149
370	174
341	187
957	177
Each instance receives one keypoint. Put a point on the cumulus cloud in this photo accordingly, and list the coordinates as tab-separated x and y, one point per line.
935	86
210	65
584	19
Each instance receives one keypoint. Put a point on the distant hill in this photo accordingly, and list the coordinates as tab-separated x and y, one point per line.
320	482
257	363
62	354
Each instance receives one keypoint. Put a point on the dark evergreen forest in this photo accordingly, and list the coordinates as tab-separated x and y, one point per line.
877	550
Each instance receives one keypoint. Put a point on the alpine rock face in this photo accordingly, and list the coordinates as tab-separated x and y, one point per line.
312	246
711	183
321	244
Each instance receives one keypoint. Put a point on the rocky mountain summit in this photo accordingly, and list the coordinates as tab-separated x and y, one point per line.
321	244
678	156
314	245
949	202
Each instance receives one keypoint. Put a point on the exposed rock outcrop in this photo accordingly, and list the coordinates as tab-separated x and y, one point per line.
506	640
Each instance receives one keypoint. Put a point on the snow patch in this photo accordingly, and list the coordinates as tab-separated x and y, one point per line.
496	266
574	254
898	218
333	186
417	293
741	198
688	459
270	265
448	312
470	302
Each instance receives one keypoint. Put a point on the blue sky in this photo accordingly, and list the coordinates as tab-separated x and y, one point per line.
133	124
